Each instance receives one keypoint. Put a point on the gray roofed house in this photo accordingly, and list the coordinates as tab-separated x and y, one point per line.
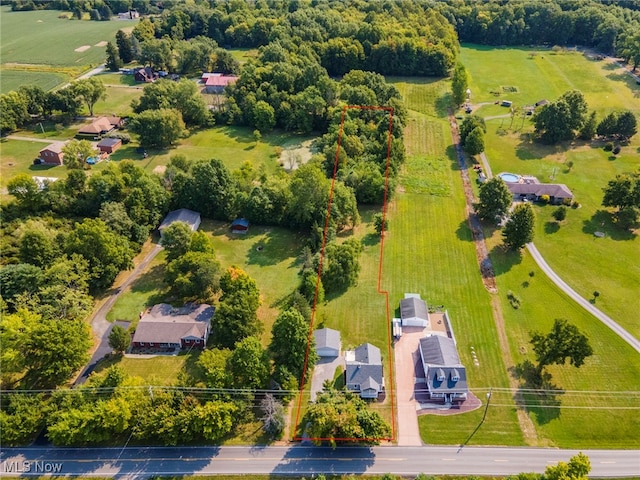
363	372
413	311
446	377
557	192
185	215
328	342
165	326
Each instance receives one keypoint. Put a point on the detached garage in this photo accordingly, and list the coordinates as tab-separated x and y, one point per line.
109	145
328	343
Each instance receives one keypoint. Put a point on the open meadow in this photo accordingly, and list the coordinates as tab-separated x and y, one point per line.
608	265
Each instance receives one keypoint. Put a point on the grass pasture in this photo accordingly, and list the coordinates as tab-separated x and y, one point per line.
12	79
570	248
40	37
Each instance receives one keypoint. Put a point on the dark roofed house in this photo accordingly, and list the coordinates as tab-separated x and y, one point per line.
109	145
145	75
240	226
168	327
542	102
100	126
185	215
446	377
363	372
328	343
558	193
413	311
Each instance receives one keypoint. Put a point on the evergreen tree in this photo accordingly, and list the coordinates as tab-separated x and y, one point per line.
113	62
125	49
459	84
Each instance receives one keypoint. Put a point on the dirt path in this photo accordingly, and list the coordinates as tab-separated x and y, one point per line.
488	279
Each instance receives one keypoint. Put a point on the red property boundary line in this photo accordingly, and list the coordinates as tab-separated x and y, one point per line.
379	286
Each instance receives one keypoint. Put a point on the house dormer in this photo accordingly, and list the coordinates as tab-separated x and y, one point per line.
440	375
455	375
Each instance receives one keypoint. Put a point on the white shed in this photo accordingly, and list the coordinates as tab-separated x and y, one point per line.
413	311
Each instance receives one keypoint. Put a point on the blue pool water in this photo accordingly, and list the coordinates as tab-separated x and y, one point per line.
510	177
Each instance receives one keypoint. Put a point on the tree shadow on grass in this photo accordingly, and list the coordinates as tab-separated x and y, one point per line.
152	281
551	227
371	239
503	259
537	393
442	104
453	156
273	248
603	221
463	232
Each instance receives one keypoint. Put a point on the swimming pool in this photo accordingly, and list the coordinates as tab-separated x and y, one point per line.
510	177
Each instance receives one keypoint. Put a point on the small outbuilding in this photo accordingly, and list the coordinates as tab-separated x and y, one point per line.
185	215
216	82
328	343
240	226
506	103
52	154
109	145
413	311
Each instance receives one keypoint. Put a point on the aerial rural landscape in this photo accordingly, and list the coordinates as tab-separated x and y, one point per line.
320	239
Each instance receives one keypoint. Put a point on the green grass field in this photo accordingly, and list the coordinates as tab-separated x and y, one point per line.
13	79
40	37
160	370
584	261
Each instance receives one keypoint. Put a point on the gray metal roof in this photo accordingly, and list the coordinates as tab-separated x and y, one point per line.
366	367
185	215
558	190
439	350
448	385
327	337
413	307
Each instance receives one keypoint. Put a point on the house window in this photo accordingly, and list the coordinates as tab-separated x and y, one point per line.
151	344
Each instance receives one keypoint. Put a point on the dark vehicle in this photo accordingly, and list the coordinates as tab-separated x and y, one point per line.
38	161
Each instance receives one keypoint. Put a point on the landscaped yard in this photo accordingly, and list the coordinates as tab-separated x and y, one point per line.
586	262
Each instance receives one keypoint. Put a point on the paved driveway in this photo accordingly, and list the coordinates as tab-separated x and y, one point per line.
324	370
408	367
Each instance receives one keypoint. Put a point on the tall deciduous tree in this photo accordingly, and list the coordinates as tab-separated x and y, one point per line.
158	128
26	192
14	108
623	193
213	363
76	153
194	276
474	143
495	199
89	90
519	229
182	96
564	342
289	343
125	49
459	84
176	240
341	265
249	364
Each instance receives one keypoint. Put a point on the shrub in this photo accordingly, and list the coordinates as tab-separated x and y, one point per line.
545	198
566	202
125	137
560	213
608	146
616	150
514	299
575	204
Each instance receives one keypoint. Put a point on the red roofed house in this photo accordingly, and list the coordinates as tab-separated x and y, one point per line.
215	82
52	154
165	326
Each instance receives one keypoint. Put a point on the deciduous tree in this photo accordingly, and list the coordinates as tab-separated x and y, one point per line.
495	199
519	229
76	153
176	240
89	90
459	84
158	128
474	143
289	343
125	49
113	62
341	265
119	339
249	364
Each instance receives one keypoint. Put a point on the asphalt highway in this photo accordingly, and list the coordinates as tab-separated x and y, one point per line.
302	460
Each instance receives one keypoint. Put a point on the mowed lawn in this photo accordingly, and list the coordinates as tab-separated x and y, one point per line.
13	79
608	265
40	37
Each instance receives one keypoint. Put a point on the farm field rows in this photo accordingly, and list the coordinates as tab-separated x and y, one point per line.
41	37
571	249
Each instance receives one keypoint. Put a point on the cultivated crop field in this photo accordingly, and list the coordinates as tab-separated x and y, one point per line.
40	37
587	263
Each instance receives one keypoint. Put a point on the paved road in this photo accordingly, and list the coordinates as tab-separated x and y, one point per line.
101	327
608	321
297	460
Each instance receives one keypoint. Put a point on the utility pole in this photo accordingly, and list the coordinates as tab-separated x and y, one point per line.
486	407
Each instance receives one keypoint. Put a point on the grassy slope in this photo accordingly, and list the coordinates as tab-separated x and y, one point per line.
13	79
40	37
429	251
585	262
